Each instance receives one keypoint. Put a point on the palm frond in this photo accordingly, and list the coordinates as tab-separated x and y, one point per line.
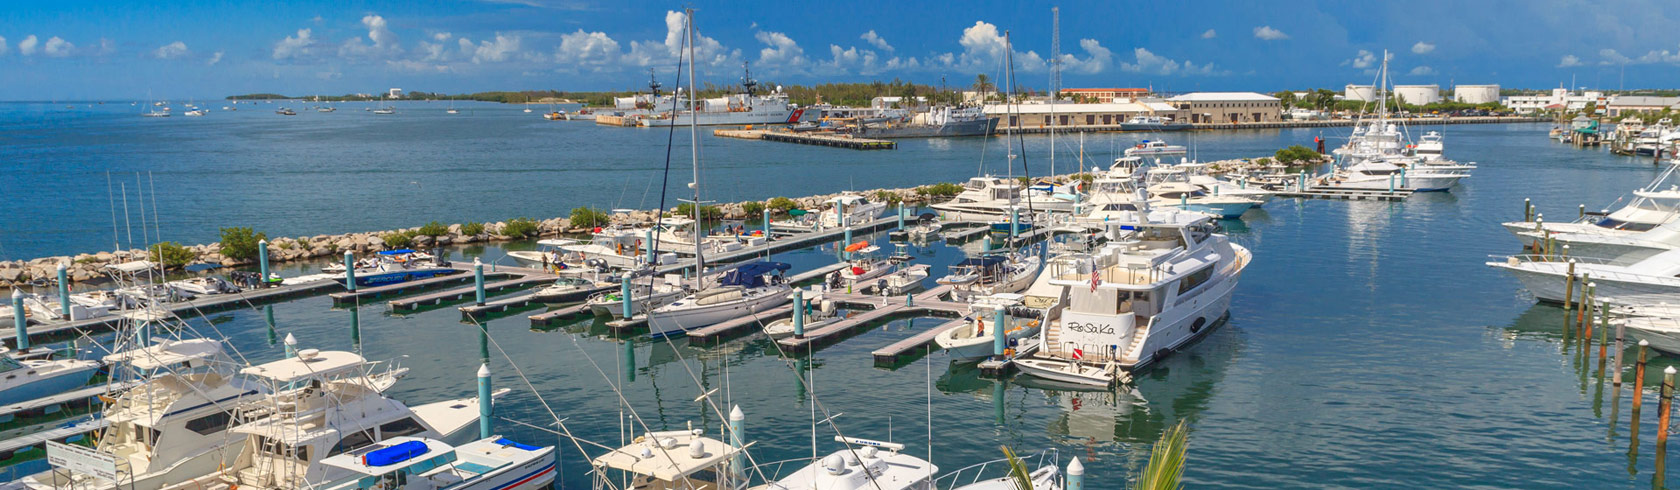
1166	460
1018	470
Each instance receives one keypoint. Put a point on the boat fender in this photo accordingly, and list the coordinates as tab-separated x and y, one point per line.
1162	353
1198	324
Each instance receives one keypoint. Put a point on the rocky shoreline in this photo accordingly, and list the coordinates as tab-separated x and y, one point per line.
88	266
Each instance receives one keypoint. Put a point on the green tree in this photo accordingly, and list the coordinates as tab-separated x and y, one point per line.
520	228
240	243
587	217
434	229
172	255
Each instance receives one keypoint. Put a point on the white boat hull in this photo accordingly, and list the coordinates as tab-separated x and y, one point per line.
671	320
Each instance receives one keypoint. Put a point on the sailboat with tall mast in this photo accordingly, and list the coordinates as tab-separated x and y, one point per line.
745	290
1375	156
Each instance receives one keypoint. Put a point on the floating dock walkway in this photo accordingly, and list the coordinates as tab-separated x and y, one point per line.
819	139
185	309
1347	194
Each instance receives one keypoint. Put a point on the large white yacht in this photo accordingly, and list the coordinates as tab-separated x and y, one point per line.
322	404
1137	299
862	464
991	274
987	198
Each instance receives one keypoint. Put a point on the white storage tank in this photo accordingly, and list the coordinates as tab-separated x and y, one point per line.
1476	94
1418	94
1361	93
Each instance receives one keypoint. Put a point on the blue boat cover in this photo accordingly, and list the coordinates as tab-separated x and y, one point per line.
751	275
505	442
395	454
396	252
983	261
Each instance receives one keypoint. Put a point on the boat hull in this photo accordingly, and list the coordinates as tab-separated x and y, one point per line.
397	277
42	388
678	321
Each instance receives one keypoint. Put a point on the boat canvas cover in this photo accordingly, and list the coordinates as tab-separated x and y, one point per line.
987	262
395	454
751	275
396	252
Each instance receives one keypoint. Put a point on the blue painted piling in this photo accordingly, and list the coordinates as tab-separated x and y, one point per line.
900	215
64	291
20	321
737	422
262	262
997	332
478	282
1075	475
485	404
1014	222
349	271
624	296
799	313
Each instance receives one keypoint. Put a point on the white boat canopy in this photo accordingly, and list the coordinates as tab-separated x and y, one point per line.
167	353
668	456
309	363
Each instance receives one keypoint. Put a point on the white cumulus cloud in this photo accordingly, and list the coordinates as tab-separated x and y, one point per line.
172	50
1612	57
1364	59
782	54
1269	34
594	49
1423	48
1149	62
1097	58
57	47
27	46
984	49
214	58
1422	70
876	40
1210	34
384	41
707	51
503	47
1569	61
294	46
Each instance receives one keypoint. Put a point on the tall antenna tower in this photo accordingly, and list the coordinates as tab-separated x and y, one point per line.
1055	53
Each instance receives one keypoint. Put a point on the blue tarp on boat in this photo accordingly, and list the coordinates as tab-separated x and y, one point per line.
751	275
395	454
396	252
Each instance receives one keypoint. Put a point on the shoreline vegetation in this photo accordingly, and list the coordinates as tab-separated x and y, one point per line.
238	244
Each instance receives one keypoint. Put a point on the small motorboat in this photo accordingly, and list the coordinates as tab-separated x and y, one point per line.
570	288
199	286
975	339
905	279
823	315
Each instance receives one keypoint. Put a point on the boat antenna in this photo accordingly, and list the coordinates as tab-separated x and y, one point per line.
653	83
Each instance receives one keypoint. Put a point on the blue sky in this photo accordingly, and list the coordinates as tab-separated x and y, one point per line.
61	50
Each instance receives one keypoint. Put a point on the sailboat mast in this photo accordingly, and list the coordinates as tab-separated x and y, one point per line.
694	149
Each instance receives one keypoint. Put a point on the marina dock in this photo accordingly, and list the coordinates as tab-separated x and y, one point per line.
898	350
189	309
409	304
354	297
1347	194
819	139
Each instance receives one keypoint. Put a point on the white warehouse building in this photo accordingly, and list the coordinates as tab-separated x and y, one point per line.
1476	94
1418	94
1361	93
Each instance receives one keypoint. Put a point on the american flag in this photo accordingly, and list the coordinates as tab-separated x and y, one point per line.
1096	276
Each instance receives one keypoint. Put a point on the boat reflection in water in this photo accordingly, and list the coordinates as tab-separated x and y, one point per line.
1116	421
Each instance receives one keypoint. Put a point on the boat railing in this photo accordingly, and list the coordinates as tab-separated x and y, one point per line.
997	468
1524	258
772	471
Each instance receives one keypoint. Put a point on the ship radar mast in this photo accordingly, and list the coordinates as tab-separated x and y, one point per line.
747	81
653	83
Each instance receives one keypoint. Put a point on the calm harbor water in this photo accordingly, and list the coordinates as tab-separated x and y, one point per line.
1368	345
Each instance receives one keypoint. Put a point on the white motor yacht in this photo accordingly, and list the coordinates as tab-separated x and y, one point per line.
616	248
1155	149
1171	187
857	209
1142	296
743	291
865	265
202	286
322	404
172	425
547	253
1656	203
988	198
991	274
1543	275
